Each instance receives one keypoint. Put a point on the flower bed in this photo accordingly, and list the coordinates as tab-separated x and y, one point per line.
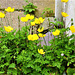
20	54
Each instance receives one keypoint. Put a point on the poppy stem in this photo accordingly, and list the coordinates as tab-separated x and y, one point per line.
45	41
11	19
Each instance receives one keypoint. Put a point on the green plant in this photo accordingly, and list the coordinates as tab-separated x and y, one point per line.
61	52
47	12
18	55
21	56
29	8
56	23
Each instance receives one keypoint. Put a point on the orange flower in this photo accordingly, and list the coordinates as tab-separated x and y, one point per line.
0	37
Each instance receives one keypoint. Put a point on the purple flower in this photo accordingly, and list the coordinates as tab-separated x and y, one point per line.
62	54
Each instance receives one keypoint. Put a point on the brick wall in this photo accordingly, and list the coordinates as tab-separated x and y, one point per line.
17	4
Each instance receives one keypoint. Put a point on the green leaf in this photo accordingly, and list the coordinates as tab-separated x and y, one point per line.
12	65
13	31
1	72
70	71
6	64
26	70
12	71
26	1
19	59
7	50
30	10
37	60
45	72
3	47
57	64
30	65
73	73
37	68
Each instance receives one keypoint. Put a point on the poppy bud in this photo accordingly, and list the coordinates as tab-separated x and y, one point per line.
0	37
25	33
53	39
51	48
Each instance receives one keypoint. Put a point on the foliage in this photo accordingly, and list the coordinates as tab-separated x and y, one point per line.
22	56
19	56
29	8
57	24
48	12
62	44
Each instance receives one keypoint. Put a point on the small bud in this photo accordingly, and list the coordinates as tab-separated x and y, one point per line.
14	57
18	17
53	39
51	34
71	19
51	48
25	33
48	19
54	27
55	19
14	68
0	37
71	24
4	12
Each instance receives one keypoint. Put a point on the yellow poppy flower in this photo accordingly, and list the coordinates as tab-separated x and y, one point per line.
24	19
41	51
8	29
40	29
9	9
30	37
41	19
41	35
37	21
64	14
64	1
2	15
31	17
72	28
33	23
28	16
56	32
33	37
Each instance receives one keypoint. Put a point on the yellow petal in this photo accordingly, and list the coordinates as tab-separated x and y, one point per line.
31	17
24	19
64	1
40	29
9	9
64	14
33	23
72	29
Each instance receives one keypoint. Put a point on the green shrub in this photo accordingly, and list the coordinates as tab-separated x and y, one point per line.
29	8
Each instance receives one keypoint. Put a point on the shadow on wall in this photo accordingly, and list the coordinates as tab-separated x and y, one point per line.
47	39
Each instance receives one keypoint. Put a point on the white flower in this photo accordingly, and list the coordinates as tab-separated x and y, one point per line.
62	54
